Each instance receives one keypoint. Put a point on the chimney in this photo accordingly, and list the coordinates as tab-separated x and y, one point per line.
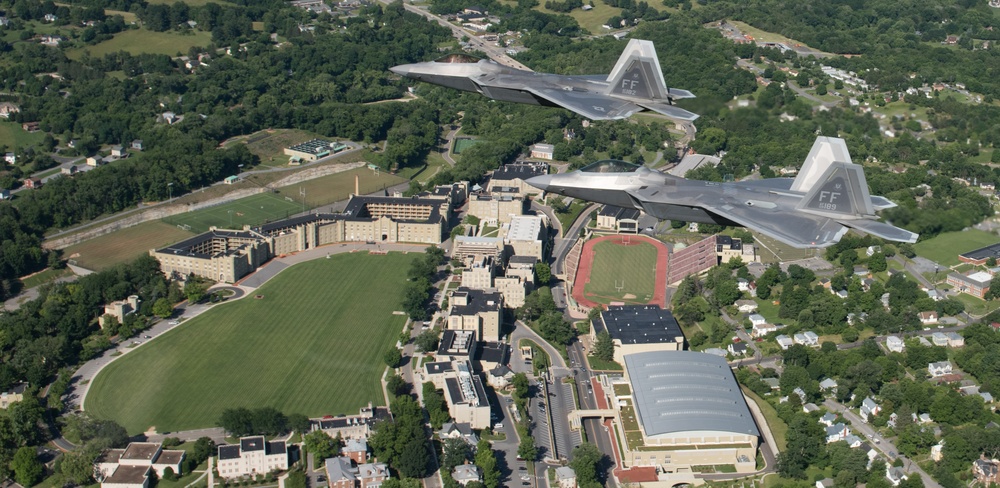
357	185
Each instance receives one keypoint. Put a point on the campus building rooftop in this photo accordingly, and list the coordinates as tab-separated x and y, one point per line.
640	324
684	391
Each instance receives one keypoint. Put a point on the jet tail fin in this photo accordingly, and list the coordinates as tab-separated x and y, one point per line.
841	192
825	151
637	73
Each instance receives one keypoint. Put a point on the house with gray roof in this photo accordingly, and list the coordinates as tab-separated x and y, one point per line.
466	473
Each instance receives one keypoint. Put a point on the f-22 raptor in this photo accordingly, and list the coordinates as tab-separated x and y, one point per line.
635	84
813	210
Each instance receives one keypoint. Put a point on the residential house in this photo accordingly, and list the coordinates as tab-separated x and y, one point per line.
784	341
842	294
10	158
499	377
935	295
837	432
566	477
807	338
746	306
853	441
894	344
742	284
986	471
871	250
939	368
757	319
50	18
252	456
828	385
137	144
458	430
32	183
810	408
895	475
869	409
774	383
939	339
49	40
356	450
8	108
936	451
466	473
928	318
737	349
341	472
955	340
762	329
31	126
118	152
4	194
13	395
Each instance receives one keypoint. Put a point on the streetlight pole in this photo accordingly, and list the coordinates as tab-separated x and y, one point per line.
170	191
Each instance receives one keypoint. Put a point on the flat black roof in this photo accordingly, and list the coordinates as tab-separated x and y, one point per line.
494	352
255	443
991	251
520	170
183	248
619	212
229	451
640	324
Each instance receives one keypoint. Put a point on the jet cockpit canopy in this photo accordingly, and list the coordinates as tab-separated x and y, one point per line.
610	166
458	58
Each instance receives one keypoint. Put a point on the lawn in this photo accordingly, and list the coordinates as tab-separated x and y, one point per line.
253	210
138	41
945	248
567	218
598	364
433	163
592	20
462	143
762	35
123	245
270	145
297	349
631	268
779	429
45	276
12	136
338	186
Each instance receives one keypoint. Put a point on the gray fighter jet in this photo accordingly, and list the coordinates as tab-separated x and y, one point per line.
635	84
813	210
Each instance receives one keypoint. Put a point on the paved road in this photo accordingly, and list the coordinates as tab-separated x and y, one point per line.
802	93
883	444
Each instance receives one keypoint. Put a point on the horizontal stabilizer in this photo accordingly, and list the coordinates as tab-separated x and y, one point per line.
882	203
670	111
677	93
881	229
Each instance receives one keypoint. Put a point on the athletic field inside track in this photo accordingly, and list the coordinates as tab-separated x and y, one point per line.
625	269
312	343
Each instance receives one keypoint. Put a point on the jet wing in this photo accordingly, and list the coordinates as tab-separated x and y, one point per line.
775	219
797	229
591	105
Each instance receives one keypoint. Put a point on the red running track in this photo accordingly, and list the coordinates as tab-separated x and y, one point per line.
587	265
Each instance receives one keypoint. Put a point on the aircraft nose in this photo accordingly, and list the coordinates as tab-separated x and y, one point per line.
541	182
402	70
